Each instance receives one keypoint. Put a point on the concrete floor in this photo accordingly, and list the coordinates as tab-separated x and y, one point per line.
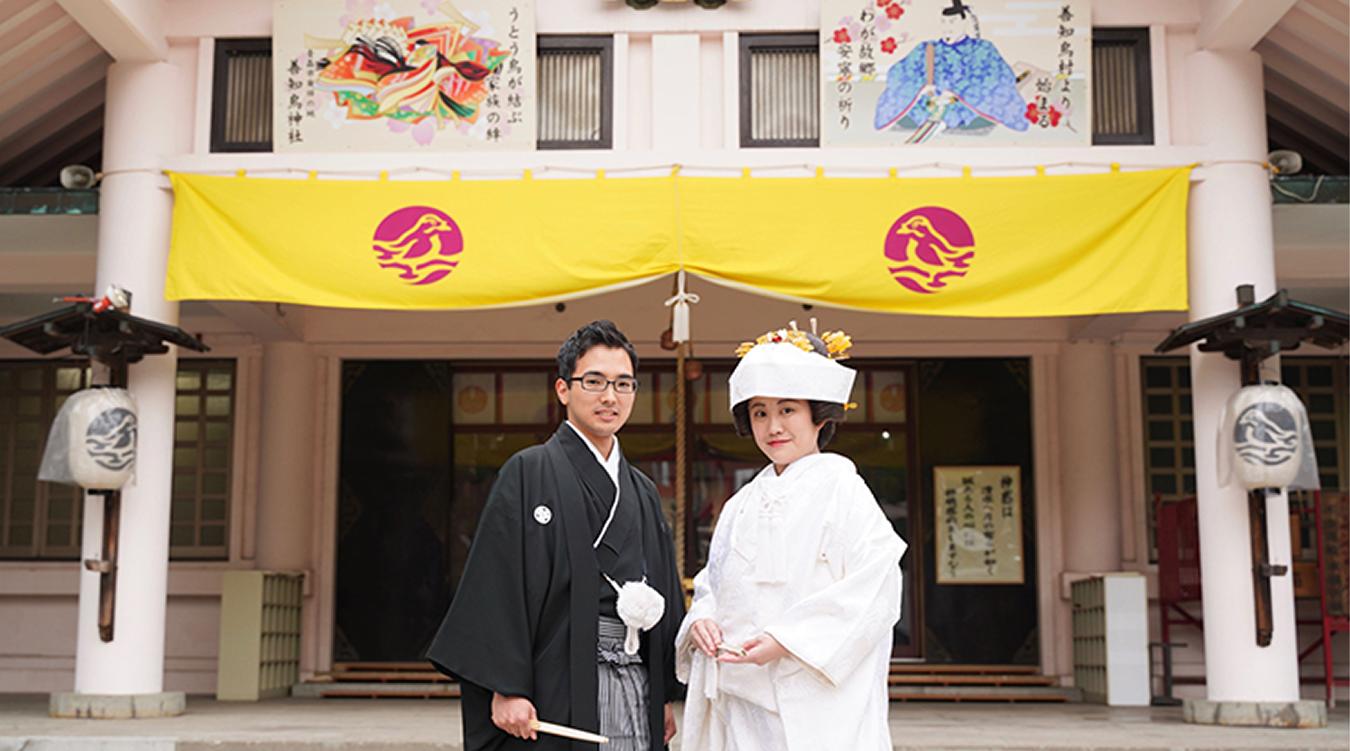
386	725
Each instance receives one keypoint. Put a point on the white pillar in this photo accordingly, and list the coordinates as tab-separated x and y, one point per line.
149	108
286	478
1088	458
1231	244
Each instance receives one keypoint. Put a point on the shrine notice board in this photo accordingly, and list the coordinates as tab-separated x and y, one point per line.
978	524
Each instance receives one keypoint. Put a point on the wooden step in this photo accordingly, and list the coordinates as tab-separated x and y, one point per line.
383	672
444	690
422	665
908	681
393	676
947	679
1008	694
925	667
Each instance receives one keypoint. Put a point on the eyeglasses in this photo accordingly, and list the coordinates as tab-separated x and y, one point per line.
596	383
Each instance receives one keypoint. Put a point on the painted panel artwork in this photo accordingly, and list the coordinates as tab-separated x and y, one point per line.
978	525
956	72
403	75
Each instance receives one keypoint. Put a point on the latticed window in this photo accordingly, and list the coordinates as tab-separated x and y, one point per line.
1169	435
1323	384
241	108
780	90
37	519
203	433
1169	440
42	520
1122	92
576	92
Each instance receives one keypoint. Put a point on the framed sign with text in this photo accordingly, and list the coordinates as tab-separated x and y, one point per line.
978	525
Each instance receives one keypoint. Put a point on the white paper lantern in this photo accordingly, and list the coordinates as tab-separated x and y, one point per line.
1267	427
92	441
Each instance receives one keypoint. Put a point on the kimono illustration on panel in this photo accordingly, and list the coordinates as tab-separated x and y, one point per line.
809	558
962	84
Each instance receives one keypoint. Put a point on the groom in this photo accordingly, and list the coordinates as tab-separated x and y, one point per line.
535	632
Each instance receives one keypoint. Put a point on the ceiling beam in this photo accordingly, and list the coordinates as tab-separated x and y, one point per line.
48	172
54	66
24	50
27	30
1238	24
1333	65
51	131
1315	107
130	30
1307	23
14	13
85	82
56	120
1290	66
1331	140
1316	159
1334	12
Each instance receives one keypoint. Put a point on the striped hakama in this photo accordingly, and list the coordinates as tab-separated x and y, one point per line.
622	699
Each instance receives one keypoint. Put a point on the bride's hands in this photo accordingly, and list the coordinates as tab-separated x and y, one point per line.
707	636
761	650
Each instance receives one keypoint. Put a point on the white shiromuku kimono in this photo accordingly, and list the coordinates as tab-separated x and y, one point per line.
808	558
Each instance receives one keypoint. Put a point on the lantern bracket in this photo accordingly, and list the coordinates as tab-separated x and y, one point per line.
1249	334
115	339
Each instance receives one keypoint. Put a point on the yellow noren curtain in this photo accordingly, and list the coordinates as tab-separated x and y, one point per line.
992	247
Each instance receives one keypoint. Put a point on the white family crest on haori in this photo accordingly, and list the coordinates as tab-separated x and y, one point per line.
543	514
92	442
1265	441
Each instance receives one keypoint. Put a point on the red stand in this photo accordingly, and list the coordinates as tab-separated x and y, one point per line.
1333	568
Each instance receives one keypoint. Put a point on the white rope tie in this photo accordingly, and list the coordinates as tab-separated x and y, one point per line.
679	326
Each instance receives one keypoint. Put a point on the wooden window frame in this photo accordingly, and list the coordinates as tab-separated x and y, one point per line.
203	366
602	43
219	90
749	43
1143	77
39	549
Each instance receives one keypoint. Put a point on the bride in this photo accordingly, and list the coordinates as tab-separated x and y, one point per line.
787	643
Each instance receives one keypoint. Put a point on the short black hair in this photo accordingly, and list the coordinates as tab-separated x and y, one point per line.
824	414
602	333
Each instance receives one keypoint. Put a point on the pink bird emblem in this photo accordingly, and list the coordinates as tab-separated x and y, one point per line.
420	242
